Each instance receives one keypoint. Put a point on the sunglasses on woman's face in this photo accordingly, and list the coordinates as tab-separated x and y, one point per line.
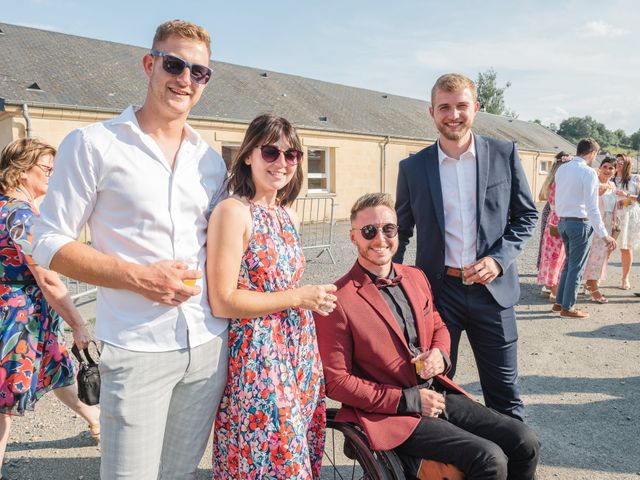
369	232
270	153
175	66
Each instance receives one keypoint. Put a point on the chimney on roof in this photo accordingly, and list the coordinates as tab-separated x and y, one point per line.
1	32
264	74
34	87
385	96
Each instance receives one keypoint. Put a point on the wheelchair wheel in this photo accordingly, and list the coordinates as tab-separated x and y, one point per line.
347	455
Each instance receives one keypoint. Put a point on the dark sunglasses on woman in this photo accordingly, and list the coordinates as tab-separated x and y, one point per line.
175	66
270	153
369	232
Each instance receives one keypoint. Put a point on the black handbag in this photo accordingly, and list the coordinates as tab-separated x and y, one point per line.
88	376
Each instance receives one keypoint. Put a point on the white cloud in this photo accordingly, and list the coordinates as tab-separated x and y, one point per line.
602	29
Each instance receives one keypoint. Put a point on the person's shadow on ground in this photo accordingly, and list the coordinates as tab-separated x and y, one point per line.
581	430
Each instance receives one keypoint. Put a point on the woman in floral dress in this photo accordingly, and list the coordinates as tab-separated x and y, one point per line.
627	190
599	254
552	254
33	354
271	419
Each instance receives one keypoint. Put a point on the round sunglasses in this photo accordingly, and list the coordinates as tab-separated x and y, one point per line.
270	153
369	232
175	66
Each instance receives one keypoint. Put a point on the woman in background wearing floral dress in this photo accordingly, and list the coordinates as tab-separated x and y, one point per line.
271	419
33	353
552	254
599	254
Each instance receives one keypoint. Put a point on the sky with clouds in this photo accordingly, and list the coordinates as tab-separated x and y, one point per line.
563	58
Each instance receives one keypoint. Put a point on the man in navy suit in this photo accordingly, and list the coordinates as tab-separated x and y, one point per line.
470	202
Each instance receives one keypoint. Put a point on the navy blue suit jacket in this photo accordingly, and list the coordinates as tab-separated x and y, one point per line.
506	213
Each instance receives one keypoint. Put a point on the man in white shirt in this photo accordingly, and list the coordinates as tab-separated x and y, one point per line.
145	182
469	200
577	209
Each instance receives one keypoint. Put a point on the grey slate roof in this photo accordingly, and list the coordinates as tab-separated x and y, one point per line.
84	73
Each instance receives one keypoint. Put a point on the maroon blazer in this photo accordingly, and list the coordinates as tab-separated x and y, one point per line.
367	361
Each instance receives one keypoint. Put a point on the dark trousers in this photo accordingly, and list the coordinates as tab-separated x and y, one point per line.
493	337
481	442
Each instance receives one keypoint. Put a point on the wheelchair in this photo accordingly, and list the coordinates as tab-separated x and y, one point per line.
347	455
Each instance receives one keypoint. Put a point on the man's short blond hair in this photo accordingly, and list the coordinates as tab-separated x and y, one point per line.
454	82
182	29
370	200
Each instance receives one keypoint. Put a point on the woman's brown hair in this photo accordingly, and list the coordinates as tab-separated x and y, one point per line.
543	196
263	130
625	175
20	156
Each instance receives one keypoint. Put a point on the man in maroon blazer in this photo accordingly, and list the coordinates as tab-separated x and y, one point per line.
369	346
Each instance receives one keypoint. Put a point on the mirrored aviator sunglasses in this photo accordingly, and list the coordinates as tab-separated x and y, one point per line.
270	153
369	232
175	66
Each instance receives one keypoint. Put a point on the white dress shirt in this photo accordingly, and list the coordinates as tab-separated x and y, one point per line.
577	193
458	182
115	177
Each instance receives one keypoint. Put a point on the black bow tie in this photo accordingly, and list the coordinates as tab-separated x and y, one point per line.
388	282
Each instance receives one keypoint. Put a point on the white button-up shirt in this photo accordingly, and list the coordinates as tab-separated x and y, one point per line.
458	182
577	193
115	177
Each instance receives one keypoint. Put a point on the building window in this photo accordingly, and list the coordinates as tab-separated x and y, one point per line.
545	166
229	152
319	164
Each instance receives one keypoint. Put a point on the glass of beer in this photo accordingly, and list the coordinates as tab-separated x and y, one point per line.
419	364
191	282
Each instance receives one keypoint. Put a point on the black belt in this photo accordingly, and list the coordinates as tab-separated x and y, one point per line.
576	219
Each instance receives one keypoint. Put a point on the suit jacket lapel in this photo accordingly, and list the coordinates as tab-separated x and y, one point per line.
416	308
482	175
432	170
370	293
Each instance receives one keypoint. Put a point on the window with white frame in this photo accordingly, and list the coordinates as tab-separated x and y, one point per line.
545	166
318	170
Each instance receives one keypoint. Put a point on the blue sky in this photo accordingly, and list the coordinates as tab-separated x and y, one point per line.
563	58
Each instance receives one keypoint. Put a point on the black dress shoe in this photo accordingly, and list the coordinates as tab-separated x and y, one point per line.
637	294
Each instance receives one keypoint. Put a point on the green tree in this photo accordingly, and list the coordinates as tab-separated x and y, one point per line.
634	140
576	128
490	96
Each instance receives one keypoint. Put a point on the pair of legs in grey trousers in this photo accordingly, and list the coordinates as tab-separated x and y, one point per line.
157	409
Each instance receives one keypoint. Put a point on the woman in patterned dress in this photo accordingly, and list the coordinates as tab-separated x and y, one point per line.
627	190
33	355
543	196
552	254
271	419
599	254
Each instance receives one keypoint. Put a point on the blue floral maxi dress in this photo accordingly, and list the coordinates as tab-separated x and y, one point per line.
33	354
270	424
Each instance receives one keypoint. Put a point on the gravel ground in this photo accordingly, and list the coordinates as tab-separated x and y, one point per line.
580	383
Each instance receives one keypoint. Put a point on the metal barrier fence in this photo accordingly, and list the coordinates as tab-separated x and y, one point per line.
79	291
316	232
316	223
